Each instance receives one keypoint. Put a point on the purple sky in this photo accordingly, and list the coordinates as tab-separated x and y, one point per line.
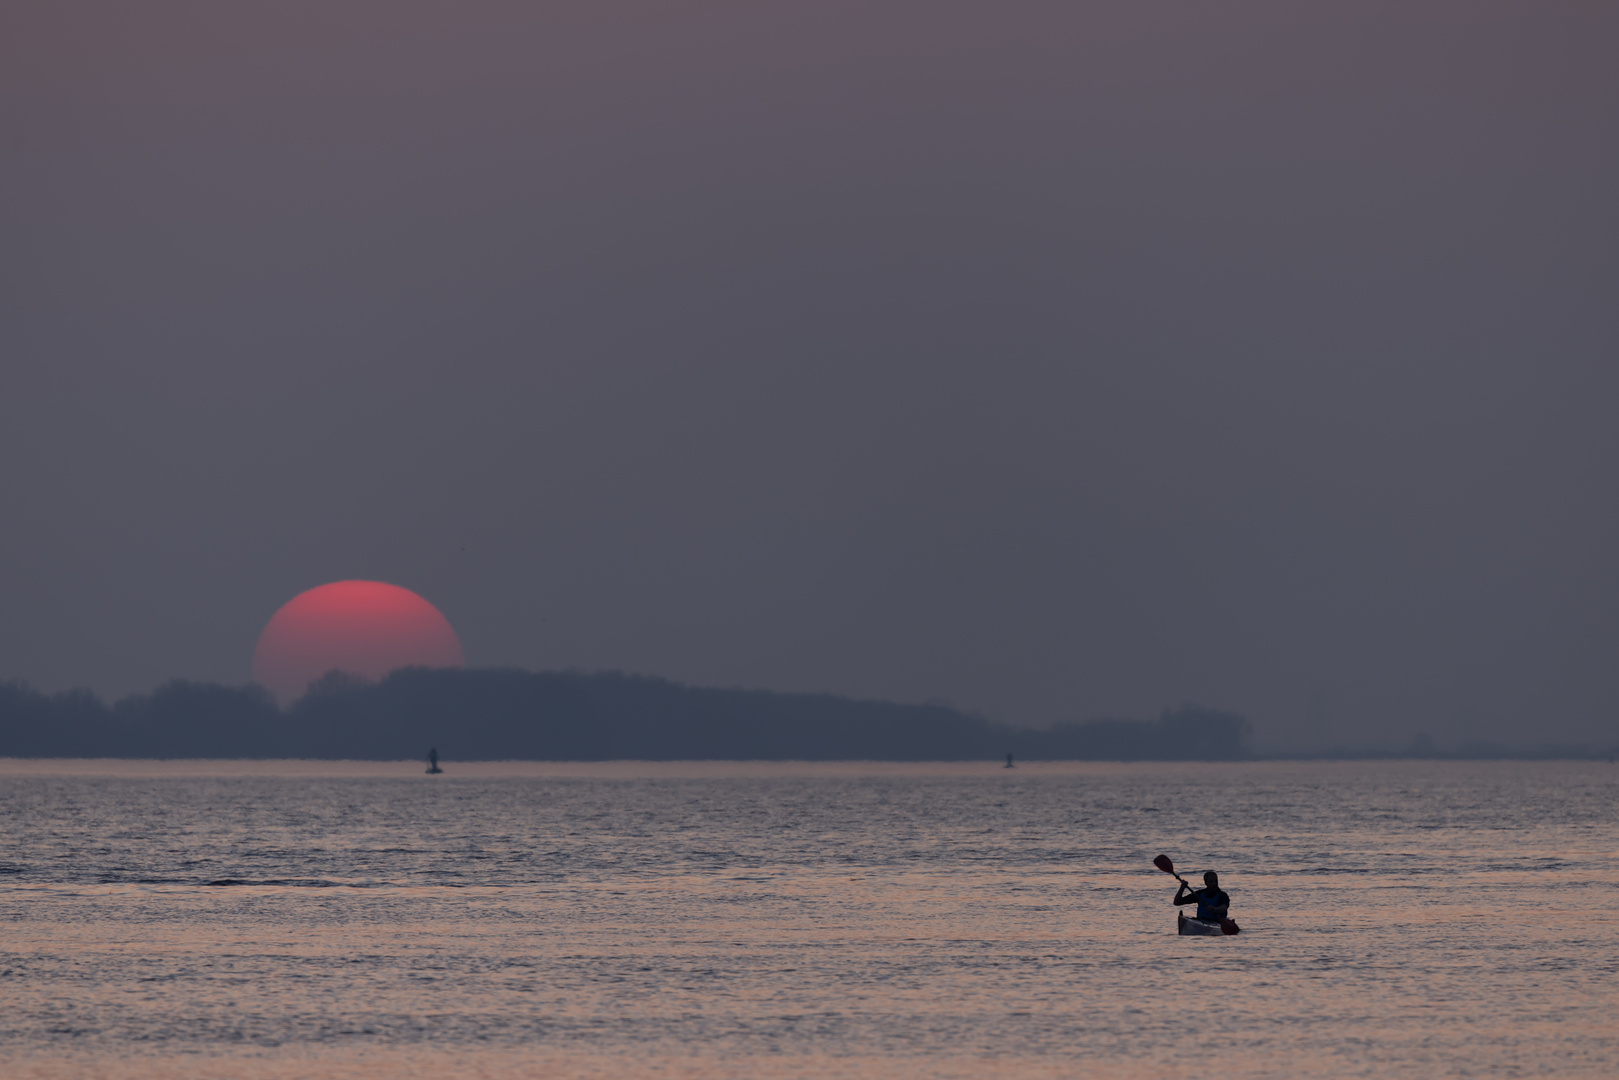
1052	359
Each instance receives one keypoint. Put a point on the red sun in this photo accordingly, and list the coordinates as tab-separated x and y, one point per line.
366	628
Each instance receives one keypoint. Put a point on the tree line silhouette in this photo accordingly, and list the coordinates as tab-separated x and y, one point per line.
508	714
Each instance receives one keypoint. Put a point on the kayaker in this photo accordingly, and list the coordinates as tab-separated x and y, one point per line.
1213	905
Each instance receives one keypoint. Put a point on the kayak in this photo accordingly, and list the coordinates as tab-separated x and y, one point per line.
1204	927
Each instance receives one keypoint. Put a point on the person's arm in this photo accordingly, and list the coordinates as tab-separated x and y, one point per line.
1184	897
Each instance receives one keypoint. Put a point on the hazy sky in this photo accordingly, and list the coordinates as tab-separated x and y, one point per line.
1052	359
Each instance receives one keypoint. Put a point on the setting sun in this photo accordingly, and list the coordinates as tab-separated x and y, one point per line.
365	628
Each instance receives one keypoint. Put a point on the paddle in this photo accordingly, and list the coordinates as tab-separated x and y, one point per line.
1162	862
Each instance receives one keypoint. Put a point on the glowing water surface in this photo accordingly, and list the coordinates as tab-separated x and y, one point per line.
241	919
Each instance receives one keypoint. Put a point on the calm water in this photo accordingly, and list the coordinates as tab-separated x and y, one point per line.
285	919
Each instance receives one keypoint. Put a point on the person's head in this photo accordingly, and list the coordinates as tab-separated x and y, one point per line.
1211	879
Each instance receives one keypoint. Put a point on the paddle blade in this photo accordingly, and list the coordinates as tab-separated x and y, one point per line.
1162	862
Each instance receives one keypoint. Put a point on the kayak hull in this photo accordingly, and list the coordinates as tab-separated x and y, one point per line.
1204	928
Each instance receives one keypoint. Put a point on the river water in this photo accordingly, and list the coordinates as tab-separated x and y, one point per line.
290	919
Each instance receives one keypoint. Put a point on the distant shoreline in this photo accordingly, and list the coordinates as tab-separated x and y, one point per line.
497	714
309	768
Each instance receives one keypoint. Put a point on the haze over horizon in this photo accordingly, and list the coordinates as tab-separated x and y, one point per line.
1055	361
